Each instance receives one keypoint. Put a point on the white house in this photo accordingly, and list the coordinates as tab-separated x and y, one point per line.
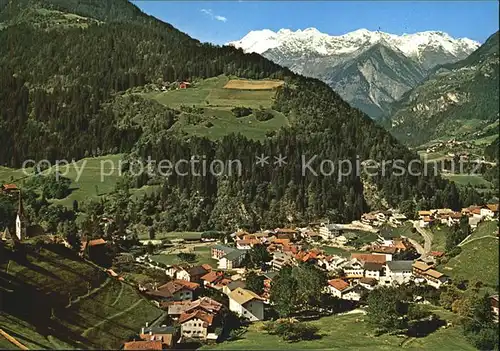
399	272
373	270
232	260
182	274
332	263
342	290
329	231
247	304
354	269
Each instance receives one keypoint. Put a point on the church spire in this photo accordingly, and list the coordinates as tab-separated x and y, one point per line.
20	209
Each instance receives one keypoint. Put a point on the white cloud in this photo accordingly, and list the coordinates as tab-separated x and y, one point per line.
210	13
221	18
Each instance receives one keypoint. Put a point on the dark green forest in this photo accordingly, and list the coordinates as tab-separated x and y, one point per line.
56	102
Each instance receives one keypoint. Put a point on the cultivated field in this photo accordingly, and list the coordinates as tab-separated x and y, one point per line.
244	84
216	101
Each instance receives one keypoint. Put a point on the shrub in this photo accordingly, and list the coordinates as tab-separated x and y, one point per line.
291	330
263	115
241	111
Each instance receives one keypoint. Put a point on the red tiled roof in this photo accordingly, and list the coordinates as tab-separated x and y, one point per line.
338	284
96	242
207	266
369	258
437	253
205	303
206	317
10	187
176	285
212	276
143	345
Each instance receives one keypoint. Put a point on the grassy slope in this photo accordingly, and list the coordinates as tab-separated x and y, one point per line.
217	103
350	332
479	258
89	185
85	320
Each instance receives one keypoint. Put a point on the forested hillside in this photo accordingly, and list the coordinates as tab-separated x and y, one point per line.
459	100
60	82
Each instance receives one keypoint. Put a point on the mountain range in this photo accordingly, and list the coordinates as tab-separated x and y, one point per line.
370	70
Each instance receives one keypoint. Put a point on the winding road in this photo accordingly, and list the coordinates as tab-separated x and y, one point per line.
428	237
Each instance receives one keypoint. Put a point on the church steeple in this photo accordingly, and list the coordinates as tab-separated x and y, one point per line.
20	209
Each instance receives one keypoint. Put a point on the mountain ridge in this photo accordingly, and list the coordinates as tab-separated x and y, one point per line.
319	55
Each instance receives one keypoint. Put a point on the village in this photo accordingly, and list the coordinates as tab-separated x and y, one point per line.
201	301
188	297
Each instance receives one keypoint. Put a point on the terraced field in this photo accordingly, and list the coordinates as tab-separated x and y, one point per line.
56	301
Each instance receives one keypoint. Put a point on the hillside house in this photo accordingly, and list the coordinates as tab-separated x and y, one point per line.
490	211
247	304
332	263
195	273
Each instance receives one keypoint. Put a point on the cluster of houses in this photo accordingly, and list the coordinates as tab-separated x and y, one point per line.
200	317
475	215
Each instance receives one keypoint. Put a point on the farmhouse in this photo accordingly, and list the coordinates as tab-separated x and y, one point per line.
247	304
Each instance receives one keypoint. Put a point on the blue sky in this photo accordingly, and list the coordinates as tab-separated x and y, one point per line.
222	21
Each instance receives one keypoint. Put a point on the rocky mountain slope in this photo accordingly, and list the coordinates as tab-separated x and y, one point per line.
458	100
368	69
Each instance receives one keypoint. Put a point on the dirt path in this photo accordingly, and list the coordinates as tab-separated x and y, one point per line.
467	241
119	295
90	293
87	331
12	340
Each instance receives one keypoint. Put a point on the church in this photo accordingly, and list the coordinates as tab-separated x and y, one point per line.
21	225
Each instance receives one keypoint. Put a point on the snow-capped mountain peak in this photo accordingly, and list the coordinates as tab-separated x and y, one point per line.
311	40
